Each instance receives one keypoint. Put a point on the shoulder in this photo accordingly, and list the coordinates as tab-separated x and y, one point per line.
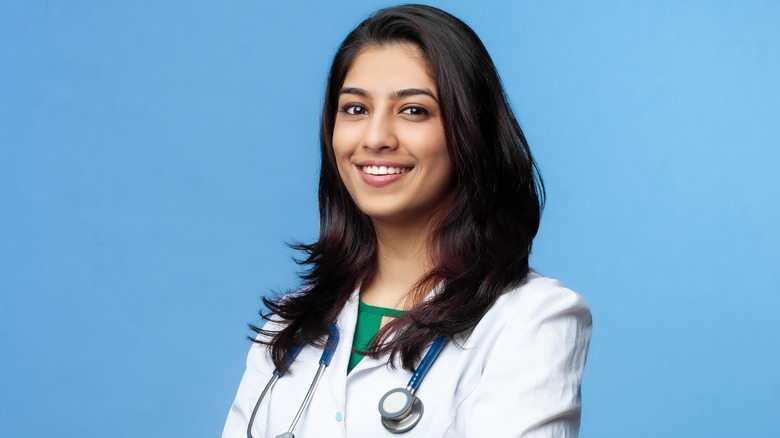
538	298
540	310
527	356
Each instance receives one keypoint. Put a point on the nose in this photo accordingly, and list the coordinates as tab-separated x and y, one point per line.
380	134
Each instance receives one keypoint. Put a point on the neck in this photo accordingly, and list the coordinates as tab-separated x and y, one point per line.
403	258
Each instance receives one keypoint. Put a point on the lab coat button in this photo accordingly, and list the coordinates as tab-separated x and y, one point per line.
339	417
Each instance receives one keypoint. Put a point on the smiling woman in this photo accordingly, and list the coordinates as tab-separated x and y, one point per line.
389	139
429	204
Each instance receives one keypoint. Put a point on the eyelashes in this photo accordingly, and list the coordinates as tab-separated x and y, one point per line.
354	109
415	111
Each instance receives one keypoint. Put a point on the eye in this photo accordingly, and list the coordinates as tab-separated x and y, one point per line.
414	111
354	109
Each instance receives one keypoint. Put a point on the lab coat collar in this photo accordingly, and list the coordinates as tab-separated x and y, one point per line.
346	322
337	376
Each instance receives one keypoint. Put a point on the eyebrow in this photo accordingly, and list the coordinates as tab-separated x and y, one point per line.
396	94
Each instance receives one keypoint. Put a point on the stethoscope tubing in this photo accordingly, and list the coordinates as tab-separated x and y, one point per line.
327	356
268	386
425	364
309	395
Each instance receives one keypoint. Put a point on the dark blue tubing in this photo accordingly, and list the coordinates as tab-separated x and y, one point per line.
425	365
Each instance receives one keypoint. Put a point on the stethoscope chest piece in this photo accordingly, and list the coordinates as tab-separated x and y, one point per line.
400	410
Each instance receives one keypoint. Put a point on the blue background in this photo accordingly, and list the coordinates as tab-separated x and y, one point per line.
156	155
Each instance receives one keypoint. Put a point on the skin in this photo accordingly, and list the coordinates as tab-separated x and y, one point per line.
389	115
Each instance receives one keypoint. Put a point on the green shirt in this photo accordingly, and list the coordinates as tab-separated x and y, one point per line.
369	319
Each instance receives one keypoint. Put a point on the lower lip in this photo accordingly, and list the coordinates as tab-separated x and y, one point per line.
380	180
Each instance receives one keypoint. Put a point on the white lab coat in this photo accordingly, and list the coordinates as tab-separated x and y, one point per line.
517	374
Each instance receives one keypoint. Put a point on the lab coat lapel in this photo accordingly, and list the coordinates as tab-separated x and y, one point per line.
337	371
367	363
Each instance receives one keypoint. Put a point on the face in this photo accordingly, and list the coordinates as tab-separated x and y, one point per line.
389	139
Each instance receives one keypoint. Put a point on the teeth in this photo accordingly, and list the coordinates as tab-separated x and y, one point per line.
384	170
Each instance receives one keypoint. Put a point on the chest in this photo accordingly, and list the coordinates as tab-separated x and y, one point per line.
347	405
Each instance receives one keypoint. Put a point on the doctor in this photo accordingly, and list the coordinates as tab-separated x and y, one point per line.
429	203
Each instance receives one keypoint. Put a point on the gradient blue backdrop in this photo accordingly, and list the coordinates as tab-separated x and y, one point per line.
155	155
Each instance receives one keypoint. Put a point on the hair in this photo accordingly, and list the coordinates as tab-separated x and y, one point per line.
482	242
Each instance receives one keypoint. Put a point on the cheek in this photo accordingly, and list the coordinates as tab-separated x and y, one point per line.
343	141
441	156
433	146
340	151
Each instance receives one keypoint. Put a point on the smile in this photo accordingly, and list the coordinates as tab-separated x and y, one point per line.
383	170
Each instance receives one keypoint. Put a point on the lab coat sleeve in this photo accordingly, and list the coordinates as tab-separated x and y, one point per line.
255	378
259	369
530	384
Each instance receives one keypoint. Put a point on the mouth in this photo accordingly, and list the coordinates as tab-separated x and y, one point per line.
379	174
384	170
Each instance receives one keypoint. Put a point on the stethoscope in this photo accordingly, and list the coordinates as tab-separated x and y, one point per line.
400	409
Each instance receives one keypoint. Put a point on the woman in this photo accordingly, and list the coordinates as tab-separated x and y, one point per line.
429	203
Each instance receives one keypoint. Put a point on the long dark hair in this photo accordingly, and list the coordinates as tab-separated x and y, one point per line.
482	243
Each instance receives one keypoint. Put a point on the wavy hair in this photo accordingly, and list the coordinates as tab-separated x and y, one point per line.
482	242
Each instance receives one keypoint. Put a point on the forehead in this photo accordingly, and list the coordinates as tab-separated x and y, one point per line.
389	68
